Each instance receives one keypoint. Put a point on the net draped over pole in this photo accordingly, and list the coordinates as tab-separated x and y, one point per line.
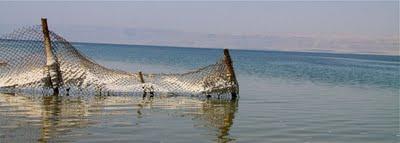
24	66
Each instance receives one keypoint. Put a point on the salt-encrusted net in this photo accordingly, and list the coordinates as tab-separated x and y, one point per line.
23	68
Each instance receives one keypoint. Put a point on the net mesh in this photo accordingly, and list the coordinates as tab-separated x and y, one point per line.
23	68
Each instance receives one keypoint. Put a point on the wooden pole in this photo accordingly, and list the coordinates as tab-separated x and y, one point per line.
230	72
142	81
52	65
141	77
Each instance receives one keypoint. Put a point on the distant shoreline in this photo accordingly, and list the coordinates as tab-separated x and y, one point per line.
317	51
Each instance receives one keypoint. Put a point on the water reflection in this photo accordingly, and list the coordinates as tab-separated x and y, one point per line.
222	120
59	116
27	118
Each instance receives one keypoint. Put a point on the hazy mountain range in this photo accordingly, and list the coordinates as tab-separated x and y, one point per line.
281	42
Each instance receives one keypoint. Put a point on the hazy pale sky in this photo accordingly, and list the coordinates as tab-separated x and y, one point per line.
262	18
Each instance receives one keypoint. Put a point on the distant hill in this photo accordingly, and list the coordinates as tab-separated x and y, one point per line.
293	42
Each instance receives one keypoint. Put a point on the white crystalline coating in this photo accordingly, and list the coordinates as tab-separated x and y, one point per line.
183	85
28	78
27	66
51	61
53	73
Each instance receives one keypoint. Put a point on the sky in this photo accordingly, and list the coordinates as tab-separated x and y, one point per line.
357	19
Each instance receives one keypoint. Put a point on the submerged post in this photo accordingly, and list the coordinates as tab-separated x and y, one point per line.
53	68
231	73
141	77
144	87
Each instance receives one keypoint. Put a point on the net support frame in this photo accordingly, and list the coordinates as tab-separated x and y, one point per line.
54	78
230	73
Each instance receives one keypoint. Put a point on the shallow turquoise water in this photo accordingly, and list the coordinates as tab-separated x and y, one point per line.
284	97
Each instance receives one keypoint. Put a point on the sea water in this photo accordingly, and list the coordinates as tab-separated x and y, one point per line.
284	97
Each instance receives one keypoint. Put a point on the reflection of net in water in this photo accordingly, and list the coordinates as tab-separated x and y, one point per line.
23	67
59	118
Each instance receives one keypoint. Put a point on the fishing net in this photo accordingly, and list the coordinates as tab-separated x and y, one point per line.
23	68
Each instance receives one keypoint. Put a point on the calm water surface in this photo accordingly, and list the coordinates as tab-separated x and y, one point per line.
284	97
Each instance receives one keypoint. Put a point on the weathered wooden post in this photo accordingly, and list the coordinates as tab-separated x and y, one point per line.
141	77
231	73
142	81
53	68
